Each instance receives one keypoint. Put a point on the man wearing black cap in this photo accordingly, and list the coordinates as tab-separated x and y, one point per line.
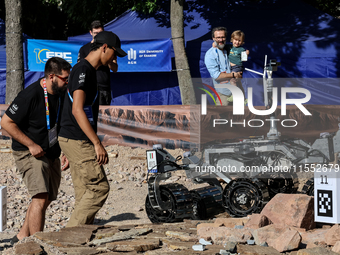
78	138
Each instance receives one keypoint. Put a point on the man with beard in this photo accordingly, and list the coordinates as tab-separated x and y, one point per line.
218	65
32	121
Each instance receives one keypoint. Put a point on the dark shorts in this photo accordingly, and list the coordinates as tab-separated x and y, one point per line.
237	69
40	175
104	97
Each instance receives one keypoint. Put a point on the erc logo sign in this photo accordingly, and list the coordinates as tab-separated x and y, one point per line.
43	55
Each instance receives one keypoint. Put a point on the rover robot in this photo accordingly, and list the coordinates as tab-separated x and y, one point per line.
244	193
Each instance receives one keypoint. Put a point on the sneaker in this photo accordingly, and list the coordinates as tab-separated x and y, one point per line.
230	99
14	240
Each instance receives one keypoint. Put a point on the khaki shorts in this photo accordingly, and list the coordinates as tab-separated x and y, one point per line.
40	175
224	99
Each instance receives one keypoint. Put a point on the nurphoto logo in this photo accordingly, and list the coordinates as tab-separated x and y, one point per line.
212	97
238	105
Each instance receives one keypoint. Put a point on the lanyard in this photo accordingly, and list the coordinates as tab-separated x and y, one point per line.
69	95
47	107
225	59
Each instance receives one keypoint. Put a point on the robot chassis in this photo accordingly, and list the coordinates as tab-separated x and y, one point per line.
244	193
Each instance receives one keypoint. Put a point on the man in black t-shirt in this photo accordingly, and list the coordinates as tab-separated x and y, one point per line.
78	138
32	121
103	72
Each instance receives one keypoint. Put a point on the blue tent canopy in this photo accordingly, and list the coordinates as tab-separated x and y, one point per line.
131	26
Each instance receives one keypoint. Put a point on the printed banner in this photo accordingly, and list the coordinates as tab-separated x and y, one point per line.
39	51
146	56
143	56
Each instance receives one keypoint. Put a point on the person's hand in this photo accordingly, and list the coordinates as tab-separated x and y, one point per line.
114	65
238	75
36	150
114	60
247	52
64	163
102	157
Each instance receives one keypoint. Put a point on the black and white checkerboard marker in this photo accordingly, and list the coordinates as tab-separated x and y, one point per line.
325	203
327	196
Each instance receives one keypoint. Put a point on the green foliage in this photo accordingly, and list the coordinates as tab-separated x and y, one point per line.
58	19
2	10
43	20
148	6
81	13
332	7
40	19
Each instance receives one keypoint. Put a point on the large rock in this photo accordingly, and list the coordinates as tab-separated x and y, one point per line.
125	235
68	237
206	232
231	222
177	245
268	234
183	248
257	221
183	236
106	232
313	237
316	251
333	235
29	248
256	250
206	225
80	251
134	245
287	241
295	210
336	247
222	235
64	239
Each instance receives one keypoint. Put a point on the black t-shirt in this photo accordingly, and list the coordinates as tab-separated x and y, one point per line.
82	76
28	111
103	72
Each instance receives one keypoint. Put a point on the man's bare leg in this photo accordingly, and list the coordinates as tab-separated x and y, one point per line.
24	231
35	216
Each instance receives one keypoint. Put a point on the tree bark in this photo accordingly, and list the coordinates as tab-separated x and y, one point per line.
181	60
14	50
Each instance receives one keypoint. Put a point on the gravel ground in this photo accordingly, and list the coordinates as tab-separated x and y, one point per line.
126	173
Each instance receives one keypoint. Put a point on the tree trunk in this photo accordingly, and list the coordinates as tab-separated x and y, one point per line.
14	50
181	60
